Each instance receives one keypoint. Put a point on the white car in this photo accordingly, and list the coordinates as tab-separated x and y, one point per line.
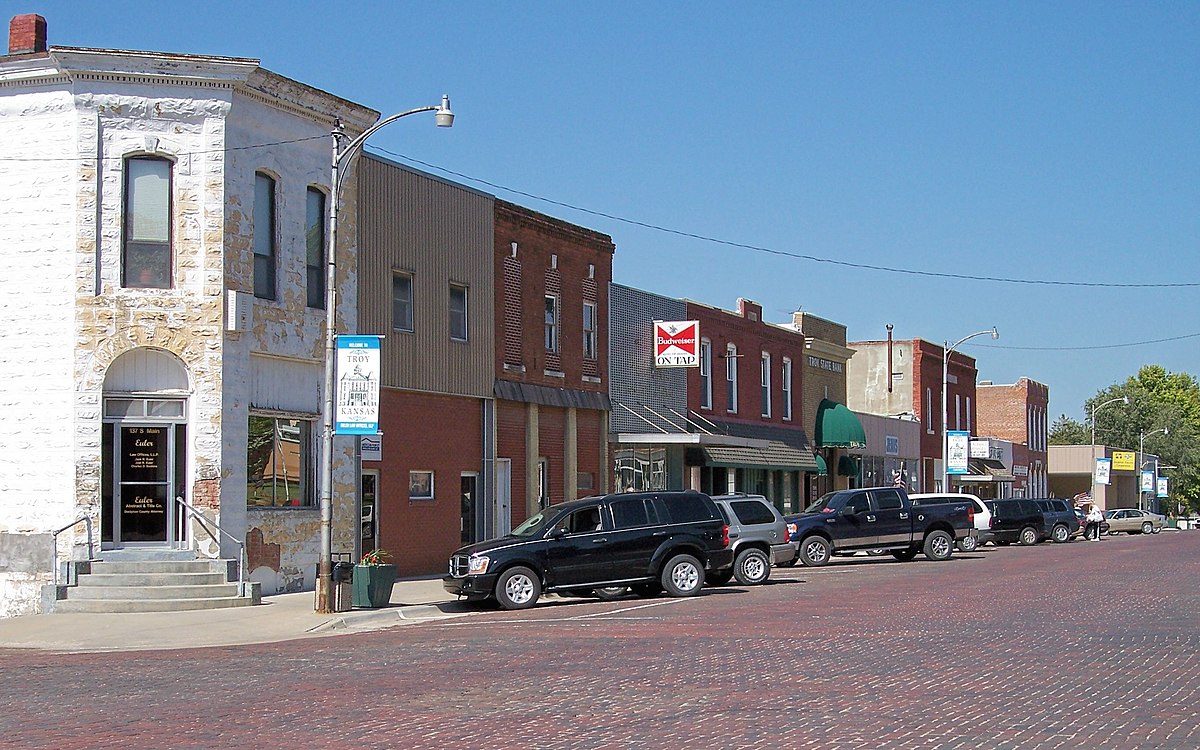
983	516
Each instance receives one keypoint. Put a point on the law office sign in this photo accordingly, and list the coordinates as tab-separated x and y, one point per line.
958	451
677	343
357	402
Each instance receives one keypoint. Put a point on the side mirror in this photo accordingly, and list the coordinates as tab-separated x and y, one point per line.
558	532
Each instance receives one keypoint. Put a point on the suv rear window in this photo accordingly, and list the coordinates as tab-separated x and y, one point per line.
751	512
684	508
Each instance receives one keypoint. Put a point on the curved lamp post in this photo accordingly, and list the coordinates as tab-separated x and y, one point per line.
341	156
1142	458
1095	408
947	350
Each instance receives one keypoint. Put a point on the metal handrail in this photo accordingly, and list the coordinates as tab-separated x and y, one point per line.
204	522
87	521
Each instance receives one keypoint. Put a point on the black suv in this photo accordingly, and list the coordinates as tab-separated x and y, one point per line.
1016	520
1061	523
647	541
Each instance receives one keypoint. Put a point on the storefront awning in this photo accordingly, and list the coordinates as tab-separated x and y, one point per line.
985	470
848	466
776	455
822	469
837	427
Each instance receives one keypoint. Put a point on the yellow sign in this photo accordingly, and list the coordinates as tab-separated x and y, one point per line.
1122	460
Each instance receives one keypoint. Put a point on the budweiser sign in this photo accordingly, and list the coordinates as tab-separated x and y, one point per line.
677	343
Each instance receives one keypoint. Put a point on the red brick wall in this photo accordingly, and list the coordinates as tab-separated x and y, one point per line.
927	374
424	432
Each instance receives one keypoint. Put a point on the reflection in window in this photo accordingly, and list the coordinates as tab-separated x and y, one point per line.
314	247
458	312
279	462
264	237
402	302
420	485
146	260
589	330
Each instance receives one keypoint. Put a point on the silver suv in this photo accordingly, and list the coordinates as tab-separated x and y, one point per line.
758	537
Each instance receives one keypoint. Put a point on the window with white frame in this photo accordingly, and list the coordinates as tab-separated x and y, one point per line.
420	485
929	410
402	301
146	253
705	374
969	414
551	319
264	236
458	312
786	388
731	358
279	462
764	368
590	331
314	247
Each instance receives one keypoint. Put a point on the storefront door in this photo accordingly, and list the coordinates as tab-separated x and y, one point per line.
141	476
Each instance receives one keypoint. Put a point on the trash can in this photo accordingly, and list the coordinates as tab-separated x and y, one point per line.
343	587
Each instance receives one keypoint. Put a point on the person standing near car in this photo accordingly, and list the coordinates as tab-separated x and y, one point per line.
1091	531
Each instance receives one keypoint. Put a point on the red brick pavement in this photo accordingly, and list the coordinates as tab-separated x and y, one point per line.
1059	646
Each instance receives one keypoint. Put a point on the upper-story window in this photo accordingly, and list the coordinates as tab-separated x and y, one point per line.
590	331
146	257
786	388
731	358
264	236
458	312
705	374
765	379
929	410
402	302
551	323
314	241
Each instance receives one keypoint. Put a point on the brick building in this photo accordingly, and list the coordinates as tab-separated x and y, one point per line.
551	360
1017	412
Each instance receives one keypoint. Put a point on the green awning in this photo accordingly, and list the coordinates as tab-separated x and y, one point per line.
822	469
837	427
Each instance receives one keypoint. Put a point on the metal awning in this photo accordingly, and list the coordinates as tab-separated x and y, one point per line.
985	470
776	455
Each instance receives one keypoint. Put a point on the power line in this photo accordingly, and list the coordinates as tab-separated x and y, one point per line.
787	254
1085	348
178	154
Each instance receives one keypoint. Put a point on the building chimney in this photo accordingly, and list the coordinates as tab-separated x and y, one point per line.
26	34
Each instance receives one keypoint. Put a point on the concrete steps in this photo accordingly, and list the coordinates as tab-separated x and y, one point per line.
154	582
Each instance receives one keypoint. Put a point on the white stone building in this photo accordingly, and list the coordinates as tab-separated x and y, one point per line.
162	223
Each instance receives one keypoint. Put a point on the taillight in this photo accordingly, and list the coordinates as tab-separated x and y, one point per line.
725	535
971	514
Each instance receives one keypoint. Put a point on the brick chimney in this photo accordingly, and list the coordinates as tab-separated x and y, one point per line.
26	34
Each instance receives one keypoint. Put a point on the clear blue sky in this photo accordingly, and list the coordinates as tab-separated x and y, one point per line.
1021	140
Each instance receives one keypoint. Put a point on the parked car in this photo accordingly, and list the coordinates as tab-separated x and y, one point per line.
878	518
1134	521
1016	520
758	537
983	516
1060	522
646	541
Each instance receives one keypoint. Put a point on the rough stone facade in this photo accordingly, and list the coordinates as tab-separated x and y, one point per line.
69	120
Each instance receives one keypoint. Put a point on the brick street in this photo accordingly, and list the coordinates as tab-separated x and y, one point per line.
1057	646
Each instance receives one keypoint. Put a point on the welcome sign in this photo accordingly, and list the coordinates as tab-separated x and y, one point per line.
677	343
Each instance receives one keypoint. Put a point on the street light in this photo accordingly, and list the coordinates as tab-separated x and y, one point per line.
1095	408
341	156
1142	457
947	350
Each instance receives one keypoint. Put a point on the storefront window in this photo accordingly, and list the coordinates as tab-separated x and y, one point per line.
279	462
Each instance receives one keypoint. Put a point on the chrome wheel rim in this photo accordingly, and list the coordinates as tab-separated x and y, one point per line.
754	568
519	589
941	547
815	551
685	576
969	543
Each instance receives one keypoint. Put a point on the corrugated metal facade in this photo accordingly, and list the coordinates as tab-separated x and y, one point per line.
634	382
440	234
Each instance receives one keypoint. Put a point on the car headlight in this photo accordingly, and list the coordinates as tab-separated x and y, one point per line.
479	564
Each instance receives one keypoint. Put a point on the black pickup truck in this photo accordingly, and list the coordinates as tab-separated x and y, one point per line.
872	518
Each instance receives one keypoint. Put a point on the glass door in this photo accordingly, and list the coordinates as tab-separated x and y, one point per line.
143	462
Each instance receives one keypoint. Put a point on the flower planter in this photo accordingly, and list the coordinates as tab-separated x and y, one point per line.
373	585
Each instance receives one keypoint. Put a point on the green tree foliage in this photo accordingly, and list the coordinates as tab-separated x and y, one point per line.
1157	399
1067	431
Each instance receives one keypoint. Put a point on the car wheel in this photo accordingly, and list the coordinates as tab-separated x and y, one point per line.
968	544
904	555
1029	536
938	545
751	567
518	588
608	593
1061	534
1147	527
683	575
646	590
815	551
876	552
718	577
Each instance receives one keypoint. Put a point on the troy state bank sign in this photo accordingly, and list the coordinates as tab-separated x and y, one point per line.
677	343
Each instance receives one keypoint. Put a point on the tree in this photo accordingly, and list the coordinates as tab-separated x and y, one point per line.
1157	399
1067	431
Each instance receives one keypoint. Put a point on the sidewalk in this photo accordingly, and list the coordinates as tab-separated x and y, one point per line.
281	617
